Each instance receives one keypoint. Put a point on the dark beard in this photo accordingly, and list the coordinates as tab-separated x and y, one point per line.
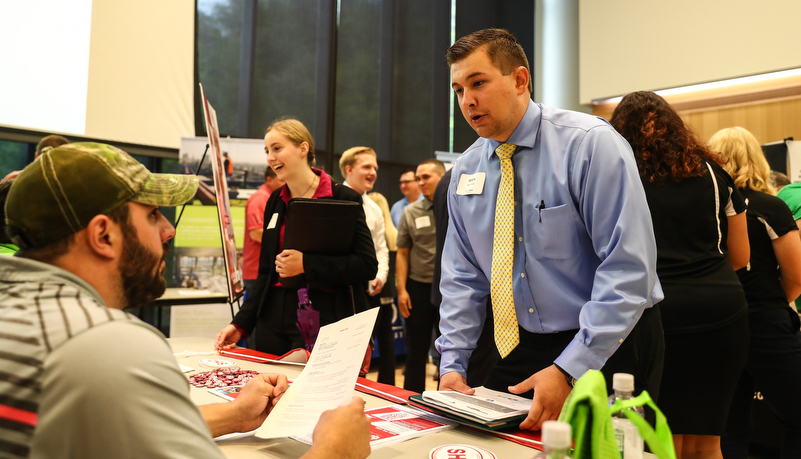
142	280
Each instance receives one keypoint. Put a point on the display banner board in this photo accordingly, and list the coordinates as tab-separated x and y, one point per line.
232	265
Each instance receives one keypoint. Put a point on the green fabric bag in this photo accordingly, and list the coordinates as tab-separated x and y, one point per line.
659	440
8	249
587	411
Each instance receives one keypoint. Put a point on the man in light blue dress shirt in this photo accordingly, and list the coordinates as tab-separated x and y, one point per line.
584	272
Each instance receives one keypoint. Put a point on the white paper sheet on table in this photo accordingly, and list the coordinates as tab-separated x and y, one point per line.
328	379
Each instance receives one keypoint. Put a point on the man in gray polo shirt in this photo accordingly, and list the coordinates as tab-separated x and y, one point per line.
414	268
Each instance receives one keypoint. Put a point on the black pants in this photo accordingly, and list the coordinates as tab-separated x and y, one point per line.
386	341
641	354
276	327
485	356
423	318
276	332
774	369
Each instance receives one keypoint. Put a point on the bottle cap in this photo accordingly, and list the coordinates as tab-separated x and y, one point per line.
556	434
623	382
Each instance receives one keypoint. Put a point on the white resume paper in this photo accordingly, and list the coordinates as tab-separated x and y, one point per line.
327	381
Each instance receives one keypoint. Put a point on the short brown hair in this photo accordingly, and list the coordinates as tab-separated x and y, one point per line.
296	132
439	166
52	140
349	157
502	48
49	252
778	180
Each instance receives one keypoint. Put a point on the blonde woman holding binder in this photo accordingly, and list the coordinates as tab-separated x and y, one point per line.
336	284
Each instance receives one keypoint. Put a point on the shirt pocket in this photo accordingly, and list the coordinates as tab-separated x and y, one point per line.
554	230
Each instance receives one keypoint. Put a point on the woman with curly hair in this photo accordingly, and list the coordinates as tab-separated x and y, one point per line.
771	280
701	239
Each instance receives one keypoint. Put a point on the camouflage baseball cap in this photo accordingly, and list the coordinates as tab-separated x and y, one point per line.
62	190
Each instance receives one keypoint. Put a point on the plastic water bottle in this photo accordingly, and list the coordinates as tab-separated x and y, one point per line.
556	440
628	437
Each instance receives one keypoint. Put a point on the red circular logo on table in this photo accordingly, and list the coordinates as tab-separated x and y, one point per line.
460	452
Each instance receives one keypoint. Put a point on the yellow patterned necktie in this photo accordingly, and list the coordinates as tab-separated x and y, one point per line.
507	335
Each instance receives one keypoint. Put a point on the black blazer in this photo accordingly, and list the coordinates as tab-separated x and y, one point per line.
441	222
346	275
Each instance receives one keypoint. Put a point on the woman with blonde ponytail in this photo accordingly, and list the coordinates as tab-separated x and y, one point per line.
771	279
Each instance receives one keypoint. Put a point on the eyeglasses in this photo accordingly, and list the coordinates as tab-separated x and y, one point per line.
406	182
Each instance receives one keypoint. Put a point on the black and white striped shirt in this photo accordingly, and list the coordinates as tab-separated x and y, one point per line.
41	307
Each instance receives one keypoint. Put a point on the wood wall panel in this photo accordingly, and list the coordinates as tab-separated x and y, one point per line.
769	120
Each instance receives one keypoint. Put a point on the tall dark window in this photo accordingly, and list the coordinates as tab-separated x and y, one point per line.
285	64
355	72
358	75
219	39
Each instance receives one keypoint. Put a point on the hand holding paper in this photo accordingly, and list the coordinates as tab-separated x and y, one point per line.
250	408
328	379
346	428
454	381
258	398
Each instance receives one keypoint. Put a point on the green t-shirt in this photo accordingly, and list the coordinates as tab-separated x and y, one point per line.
791	194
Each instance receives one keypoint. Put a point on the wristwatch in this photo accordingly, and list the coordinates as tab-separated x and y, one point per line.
571	381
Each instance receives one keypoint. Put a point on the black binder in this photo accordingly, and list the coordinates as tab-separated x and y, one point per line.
465	418
321	227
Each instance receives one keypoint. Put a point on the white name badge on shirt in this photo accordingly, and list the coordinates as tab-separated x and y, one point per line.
422	222
273	221
471	183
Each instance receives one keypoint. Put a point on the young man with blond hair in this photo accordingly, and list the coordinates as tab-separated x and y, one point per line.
359	167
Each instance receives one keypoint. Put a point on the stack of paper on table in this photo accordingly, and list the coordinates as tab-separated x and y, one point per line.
397	423
487	408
